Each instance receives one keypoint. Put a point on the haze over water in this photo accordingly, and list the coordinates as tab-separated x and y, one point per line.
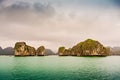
59	68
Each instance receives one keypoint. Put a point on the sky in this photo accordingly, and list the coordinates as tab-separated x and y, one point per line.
55	23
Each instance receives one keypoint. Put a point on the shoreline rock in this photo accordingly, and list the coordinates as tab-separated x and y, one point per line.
21	49
88	47
41	51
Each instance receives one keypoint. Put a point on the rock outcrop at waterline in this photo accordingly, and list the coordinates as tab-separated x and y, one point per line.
41	51
87	48
21	49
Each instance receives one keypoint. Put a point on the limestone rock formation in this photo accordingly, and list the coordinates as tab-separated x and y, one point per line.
90	48
21	49
87	48
31	51
41	51
61	51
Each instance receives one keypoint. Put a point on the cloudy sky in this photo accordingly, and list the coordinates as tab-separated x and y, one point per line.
54	23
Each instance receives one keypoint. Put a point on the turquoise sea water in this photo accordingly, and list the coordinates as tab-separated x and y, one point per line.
59	68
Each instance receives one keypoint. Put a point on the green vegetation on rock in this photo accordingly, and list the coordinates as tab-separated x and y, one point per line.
88	47
41	51
61	50
21	49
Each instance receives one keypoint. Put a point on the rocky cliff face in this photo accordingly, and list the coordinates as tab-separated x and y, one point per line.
31	51
87	48
61	51
41	51
21	49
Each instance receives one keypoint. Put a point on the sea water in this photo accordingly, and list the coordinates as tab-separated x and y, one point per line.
59	68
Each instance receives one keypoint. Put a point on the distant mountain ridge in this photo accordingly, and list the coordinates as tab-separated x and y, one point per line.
7	51
115	50
49	52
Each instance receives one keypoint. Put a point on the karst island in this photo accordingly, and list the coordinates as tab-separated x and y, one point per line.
88	47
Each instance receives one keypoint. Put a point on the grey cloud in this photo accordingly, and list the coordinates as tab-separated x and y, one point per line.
47	9
26	13
1	1
20	20
19	5
25	8
116	2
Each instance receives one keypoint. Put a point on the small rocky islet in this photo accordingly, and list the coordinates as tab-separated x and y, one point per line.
88	47
22	49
